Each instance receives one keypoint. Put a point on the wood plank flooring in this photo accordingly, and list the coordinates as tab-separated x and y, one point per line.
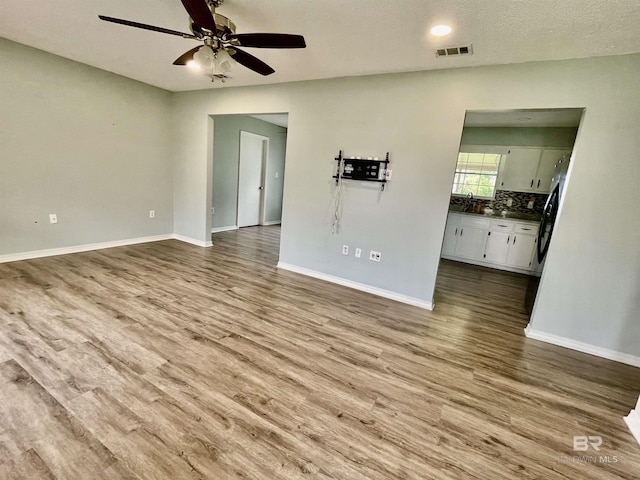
167	360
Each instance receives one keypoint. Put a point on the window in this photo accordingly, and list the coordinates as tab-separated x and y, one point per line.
476	173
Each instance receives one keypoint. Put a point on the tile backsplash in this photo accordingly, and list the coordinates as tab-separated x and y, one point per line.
520	201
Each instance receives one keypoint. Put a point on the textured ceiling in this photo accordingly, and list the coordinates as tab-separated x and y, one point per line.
344	38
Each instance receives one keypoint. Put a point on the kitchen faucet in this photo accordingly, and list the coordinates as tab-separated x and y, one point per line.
468	202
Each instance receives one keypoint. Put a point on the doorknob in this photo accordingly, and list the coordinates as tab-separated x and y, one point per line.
260	188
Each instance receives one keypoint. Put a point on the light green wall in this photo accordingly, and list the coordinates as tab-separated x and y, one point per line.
522	136
88	145
225	167
418	117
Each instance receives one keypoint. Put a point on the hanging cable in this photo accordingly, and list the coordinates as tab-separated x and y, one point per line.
337	205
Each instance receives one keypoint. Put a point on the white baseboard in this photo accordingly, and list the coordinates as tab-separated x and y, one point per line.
398	297
496	266
583	347
271	222
15	257
633	422
51	252
224	229
193	241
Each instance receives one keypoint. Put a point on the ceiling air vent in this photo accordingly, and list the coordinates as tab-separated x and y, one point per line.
454	51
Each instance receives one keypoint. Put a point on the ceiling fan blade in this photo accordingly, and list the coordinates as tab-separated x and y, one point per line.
269	40
187	56
200	13
144	26
251	62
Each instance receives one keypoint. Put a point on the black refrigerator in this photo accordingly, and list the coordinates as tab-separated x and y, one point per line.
549	215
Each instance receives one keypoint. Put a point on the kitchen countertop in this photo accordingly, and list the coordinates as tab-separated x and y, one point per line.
522	217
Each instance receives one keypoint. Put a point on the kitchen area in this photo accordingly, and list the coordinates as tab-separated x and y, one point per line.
506	190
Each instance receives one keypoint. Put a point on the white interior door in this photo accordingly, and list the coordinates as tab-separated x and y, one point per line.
251	179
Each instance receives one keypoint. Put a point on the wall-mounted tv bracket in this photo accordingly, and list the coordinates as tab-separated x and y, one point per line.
362	169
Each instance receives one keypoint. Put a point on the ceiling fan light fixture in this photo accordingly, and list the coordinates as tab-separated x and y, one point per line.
193	65
205	58
223	63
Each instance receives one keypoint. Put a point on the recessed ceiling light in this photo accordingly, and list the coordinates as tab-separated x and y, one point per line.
441	30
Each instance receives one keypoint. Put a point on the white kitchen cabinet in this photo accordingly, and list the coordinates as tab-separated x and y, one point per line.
492	242
499	237
530	169
471	242
450	236
497	247
521	250
472	236
519	170
546	168
523	245
465	236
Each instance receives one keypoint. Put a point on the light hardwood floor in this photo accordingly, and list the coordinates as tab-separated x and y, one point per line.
167	360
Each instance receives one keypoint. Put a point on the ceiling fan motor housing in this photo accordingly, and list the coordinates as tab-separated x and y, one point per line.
223	24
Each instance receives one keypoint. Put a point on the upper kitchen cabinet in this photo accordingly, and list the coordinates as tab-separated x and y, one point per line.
530	169
519	170
546	168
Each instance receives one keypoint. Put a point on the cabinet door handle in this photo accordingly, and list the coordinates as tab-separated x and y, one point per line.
502	225
514	239
461	230
532	182
538	184
508	239
456	232
526	229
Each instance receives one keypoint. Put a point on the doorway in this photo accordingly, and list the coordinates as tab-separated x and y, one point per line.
254	150
251	193
508	164
248	171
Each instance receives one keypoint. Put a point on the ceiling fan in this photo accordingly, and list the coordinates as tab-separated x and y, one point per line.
220	50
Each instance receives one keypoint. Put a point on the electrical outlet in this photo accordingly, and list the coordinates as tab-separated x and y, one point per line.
530	204
53	218
213	210
345	249
277	174
375	256
152	214
358	252
387	174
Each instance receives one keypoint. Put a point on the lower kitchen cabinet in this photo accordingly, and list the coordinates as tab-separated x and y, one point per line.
471	242
450	237
521	250
497	247
465	236
492	242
